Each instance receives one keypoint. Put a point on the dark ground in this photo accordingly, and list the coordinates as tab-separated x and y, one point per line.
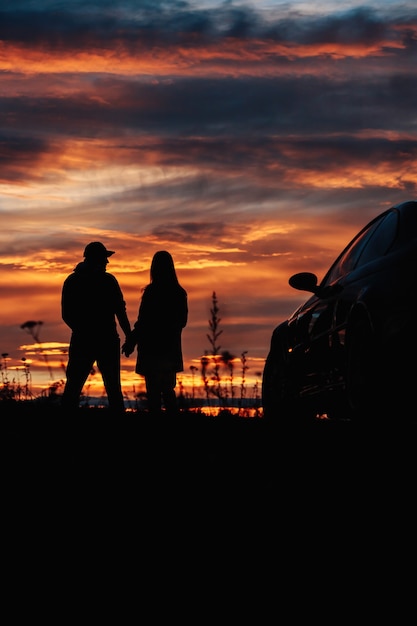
198	457
224	511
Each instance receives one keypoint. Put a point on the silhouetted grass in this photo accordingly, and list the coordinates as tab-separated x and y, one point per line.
220	393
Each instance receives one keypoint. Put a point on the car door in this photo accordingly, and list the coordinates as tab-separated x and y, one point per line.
318	328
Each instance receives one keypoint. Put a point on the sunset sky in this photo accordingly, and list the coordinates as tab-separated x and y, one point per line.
251	140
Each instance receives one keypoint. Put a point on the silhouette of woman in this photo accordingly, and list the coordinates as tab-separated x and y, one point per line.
157	332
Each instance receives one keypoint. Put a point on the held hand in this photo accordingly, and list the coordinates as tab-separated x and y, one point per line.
127	349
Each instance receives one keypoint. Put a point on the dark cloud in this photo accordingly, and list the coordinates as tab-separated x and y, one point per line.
207	107
78	24
19	155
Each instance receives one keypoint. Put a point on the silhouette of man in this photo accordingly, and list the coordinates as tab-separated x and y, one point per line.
91	302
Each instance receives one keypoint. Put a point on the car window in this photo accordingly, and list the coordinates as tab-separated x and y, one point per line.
372	242
381	239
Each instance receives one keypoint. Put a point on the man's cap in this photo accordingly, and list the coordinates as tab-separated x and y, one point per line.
96	249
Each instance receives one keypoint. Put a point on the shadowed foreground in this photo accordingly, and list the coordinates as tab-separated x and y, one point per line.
194	456
193	505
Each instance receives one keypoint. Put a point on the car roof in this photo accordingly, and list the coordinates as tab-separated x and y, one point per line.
408	219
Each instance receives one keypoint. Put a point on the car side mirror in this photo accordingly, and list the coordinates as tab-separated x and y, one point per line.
304	281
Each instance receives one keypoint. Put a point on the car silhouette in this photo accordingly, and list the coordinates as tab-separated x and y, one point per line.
349	352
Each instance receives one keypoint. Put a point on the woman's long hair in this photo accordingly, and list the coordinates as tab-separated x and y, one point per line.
163	270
